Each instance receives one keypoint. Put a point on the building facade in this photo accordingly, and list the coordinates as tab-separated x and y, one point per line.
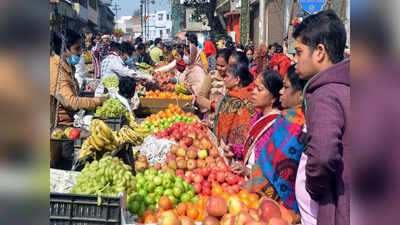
158	25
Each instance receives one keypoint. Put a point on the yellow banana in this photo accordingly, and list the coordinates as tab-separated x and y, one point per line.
96	142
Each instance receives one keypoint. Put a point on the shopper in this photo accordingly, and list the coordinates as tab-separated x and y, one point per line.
259	60
320	43
156	52
64	88
213	88
280	62
211	53
265	96
194	73
143	56
235	111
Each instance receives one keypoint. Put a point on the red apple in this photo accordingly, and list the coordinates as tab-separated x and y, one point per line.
197	187
174	149
192	154
220	177
198	178
171	156
181	152
213	152
206	191
231	178
172	164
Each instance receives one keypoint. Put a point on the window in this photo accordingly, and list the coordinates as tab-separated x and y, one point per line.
160	17
168	30
93	4
83	3
167	16
161	33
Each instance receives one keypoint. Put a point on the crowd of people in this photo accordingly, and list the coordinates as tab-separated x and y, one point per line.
281	119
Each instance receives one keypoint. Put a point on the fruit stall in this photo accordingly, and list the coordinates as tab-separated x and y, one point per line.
178	177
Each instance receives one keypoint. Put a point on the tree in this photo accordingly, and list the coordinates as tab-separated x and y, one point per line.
206	7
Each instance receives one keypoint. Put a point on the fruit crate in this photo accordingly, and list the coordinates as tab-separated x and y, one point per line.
154	105
115	123
72	209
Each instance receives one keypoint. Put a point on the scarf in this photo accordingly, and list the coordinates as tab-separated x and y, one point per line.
258	133
209	48
181	65
280	156
233	118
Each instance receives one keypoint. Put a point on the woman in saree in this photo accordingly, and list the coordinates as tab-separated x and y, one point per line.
265	96
235	110
274	174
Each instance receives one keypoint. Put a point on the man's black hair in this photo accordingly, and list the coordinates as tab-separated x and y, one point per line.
127	87
278	49
180	49
324	28
192	38
141	46
127	48
251	48
270	46
138	40
297	83
273	81
157	40
115	46
71	37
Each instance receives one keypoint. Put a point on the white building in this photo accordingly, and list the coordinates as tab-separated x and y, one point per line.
159	25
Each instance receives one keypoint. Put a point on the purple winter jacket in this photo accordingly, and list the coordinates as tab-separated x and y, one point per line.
328	148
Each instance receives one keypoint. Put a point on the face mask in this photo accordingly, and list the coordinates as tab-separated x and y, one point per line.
128	60
250	57
73	60
186	59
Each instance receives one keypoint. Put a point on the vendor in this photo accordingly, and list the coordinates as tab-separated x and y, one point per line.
64	88
115	63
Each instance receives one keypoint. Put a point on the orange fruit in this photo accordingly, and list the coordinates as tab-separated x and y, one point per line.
244	194
202	202
246	201
181	209
253	197
217	190
165	203
192	213
150	219
225	195
202	214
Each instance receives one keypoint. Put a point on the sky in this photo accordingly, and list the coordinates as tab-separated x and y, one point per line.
129	6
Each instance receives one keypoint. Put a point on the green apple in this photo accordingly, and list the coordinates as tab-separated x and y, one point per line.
177	191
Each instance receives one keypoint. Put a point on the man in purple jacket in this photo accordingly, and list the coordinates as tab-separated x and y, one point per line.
320	44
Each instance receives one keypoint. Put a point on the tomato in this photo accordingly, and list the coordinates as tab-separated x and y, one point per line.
220	177
224	186
205	171
236	188
206	191
206	184
231	178
230	190
212	176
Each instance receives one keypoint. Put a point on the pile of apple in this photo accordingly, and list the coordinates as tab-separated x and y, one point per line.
235	212
197	161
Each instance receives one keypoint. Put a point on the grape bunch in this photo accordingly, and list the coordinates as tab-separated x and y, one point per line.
106	177
111	108
111	81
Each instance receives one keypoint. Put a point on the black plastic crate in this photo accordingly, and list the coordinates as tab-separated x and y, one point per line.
72	209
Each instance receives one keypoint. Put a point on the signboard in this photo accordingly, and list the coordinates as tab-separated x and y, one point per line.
312	6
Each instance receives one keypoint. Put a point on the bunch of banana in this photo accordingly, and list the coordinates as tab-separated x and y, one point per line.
126	134
132	121
142	131
101	138
180	88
